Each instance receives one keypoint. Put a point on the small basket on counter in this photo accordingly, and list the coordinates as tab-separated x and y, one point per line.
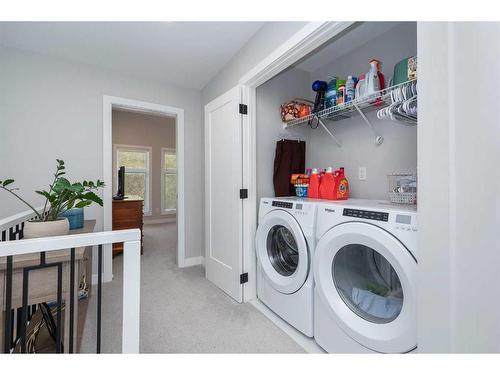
301	184
402	188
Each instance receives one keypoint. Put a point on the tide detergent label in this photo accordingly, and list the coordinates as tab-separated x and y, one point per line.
343	189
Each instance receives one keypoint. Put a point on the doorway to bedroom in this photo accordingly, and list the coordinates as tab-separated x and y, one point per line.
144	147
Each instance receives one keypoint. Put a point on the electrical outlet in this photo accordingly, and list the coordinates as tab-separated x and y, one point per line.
362	173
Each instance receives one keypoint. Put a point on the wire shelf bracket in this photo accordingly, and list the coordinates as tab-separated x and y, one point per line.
336	140
378	138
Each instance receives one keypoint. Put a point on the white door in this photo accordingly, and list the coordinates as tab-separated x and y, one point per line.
367	280
223	181
282	251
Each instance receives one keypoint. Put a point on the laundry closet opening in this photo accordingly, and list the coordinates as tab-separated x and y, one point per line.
349	106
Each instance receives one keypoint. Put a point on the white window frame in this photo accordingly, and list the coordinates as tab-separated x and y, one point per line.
147	210
165	171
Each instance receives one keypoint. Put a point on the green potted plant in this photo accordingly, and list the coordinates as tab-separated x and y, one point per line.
61	196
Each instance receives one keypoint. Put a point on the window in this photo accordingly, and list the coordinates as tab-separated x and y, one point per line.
168	180
136	160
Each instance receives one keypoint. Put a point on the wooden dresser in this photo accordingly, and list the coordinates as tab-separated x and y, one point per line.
127	214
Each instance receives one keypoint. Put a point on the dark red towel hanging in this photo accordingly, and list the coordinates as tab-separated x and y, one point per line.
290	158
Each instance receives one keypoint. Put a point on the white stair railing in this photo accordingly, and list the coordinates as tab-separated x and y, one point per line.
10	245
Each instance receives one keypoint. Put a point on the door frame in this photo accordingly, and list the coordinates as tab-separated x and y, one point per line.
306	40
113	102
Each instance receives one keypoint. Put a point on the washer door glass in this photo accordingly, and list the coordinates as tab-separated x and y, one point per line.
282	250
367	283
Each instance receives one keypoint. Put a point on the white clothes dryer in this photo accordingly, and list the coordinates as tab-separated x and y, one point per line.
365	271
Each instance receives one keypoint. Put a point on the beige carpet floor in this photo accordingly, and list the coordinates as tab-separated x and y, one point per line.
182	312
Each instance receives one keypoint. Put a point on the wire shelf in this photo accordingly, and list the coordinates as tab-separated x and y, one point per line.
372	102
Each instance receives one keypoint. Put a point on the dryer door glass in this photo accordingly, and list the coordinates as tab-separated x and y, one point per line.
282	250
367	283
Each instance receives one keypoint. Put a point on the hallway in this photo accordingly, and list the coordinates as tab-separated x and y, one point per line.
182	312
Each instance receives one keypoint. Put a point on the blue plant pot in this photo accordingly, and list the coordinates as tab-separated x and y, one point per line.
75	218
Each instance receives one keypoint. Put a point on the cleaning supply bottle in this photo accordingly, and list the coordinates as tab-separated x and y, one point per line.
375	80
350	84
327	185
341	95
331	93
314	183
341	185
360	91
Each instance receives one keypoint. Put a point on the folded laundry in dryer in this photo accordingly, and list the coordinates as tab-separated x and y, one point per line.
378	306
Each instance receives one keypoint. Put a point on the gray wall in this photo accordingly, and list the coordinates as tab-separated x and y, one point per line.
52	108
287	85
141	129
399	150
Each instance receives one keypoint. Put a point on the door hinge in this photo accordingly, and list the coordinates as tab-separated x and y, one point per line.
243	109
243	193
244	278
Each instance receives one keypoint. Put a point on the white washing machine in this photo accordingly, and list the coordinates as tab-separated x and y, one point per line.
365	271
284	243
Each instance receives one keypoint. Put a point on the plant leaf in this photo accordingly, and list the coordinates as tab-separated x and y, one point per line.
82	204
93	197
7	182
43	193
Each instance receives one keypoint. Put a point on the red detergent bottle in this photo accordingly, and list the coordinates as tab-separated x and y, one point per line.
327	186
341	185
314	183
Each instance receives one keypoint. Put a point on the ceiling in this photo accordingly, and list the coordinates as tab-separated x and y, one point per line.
185	54
357	36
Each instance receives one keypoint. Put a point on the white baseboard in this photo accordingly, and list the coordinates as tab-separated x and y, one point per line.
162	220
307	343
193	261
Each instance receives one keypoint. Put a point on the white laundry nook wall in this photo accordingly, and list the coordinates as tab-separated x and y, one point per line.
398	153
270	96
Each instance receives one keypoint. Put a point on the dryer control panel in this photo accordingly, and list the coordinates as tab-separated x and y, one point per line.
364	214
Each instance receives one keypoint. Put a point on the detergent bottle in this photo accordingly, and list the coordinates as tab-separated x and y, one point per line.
350	89
314	183
341	185
375	80
327	185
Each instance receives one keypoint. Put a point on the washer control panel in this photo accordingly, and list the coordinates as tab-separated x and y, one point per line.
363	214
282	204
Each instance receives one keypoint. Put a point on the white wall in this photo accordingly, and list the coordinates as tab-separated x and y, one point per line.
398	153
52	108
265	41
284	87
459	179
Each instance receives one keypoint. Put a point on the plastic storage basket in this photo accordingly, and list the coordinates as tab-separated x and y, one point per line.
402	188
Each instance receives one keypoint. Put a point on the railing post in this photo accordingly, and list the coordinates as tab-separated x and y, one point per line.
131	296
